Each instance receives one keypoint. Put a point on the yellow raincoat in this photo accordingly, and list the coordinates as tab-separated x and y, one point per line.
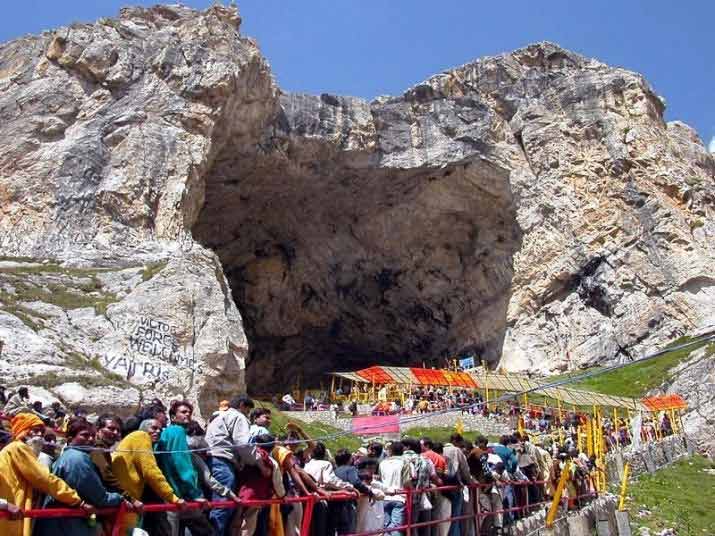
21	475
134	465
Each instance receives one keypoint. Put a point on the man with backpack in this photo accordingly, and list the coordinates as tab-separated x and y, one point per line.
423	474
457	474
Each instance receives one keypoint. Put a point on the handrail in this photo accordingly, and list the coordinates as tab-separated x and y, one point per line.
309	501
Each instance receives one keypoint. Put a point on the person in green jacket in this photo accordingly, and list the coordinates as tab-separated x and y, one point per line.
174	459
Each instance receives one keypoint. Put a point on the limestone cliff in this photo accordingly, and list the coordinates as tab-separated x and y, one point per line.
180	218
107	133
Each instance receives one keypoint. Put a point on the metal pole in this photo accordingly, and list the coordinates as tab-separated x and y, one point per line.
307	516
478	510
408	510
554	508
624	486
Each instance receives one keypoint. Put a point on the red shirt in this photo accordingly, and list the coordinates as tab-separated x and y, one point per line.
440	464
255	486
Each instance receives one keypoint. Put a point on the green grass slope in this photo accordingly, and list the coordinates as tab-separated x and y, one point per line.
314	429
350	441
637	379
681	497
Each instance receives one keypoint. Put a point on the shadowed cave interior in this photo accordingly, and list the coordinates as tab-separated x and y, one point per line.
337	264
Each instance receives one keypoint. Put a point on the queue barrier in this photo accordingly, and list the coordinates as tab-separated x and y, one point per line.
309	501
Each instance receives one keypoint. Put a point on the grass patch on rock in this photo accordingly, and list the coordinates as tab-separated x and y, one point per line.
67	293
348	440
679	497
150	270
25	314
79	366
49	380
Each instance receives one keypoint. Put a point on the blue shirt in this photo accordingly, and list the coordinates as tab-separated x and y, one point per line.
75	467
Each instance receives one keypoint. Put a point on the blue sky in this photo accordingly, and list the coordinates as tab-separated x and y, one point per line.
374	47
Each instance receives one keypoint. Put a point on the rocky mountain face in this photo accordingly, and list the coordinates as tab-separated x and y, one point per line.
168	215
694	380
107	133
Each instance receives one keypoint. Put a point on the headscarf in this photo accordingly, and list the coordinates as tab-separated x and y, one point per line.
22	423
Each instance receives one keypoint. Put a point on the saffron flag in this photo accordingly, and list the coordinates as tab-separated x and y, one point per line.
375	425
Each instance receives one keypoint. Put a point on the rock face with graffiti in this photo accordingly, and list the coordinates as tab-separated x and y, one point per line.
164	328
152	350
156	339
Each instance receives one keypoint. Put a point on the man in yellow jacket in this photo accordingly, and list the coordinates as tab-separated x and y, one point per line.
134	465
22	474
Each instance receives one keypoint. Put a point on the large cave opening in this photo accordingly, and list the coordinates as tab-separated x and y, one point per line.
337	263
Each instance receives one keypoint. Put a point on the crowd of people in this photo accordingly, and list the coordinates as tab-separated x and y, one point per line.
62	458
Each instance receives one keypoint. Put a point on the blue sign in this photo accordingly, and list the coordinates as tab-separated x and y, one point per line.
467	362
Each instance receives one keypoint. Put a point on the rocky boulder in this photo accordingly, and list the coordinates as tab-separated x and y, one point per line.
107	132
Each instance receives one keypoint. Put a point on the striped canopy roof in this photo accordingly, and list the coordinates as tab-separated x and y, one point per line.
478	378
410	376
657	403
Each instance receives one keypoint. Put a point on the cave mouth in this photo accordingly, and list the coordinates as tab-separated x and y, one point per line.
336	263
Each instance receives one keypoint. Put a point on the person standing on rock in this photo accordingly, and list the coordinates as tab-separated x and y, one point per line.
175	462
22	475
19	402
228	438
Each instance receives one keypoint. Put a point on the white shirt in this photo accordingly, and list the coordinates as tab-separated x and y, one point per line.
394	474
323	473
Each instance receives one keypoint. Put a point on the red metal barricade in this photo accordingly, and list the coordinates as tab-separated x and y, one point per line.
309	502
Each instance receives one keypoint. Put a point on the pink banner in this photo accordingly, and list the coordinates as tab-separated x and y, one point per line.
387	424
